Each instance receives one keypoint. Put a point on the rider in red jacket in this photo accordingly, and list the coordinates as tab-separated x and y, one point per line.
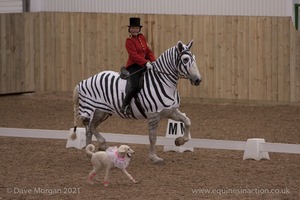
140	57
138	50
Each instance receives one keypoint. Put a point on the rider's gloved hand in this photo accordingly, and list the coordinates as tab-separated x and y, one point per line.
149	65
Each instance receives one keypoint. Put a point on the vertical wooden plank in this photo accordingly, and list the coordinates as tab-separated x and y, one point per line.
46	31
164	41
280	59
156	31
43	34
108	42
104	56
260	68
28	51
286	59
234	48
100	28
243	58
219	55
124	33
211	56
253	45
207	84
275	57
267	37
90	47
11	37
292	64
3	34
120	31
228	58
98	42
56	53
76	43
65	49
246	59
283	64
16	72
37	50
20	51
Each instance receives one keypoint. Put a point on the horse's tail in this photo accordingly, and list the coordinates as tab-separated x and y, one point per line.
90	149
76	112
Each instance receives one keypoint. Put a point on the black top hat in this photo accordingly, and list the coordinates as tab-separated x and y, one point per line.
135	21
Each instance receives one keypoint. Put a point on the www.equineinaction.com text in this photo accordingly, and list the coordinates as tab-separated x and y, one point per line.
222	191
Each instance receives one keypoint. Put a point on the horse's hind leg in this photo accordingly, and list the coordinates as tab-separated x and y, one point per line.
86	122
98	117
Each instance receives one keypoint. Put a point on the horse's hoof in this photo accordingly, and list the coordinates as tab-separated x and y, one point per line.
156	160
160	162
177	142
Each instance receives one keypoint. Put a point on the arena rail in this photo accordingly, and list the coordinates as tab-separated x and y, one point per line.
256	147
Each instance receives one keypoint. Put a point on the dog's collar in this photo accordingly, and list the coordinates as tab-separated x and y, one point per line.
119	162
119	157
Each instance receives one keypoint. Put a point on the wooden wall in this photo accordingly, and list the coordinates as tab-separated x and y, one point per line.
16	54
240	58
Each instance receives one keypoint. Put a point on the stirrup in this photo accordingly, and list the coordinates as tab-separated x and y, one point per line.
127	110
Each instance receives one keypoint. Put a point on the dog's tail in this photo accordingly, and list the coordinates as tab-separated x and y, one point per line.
90	149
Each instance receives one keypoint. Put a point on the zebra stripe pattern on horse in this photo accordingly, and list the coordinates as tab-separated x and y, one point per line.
106	90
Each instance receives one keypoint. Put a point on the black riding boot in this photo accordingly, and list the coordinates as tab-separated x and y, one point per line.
130	93
126	108
132	87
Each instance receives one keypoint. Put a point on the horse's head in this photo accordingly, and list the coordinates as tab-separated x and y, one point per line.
186	63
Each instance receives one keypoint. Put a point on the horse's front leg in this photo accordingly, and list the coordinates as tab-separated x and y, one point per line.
179	116
152	125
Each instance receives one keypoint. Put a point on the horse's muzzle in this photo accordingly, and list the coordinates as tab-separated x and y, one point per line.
196	81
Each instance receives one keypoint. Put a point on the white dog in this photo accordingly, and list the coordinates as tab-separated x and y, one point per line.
112	157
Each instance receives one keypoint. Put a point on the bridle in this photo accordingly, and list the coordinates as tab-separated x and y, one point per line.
178	63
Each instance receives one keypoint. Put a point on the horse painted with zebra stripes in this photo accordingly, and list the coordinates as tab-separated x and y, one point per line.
100	96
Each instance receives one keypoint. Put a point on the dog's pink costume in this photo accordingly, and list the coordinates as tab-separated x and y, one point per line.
118	161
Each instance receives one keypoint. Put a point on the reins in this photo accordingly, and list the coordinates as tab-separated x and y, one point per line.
178	61
179	76
125	77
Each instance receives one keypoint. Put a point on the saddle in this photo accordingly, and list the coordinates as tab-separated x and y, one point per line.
124	74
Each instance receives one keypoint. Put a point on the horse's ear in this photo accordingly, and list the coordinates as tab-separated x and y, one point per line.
179	46
190	44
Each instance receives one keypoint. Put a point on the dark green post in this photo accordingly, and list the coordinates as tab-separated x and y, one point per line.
296	15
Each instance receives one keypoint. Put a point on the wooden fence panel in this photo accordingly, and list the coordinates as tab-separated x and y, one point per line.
16	63
240	58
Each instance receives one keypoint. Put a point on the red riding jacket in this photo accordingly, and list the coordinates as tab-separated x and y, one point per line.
138	50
